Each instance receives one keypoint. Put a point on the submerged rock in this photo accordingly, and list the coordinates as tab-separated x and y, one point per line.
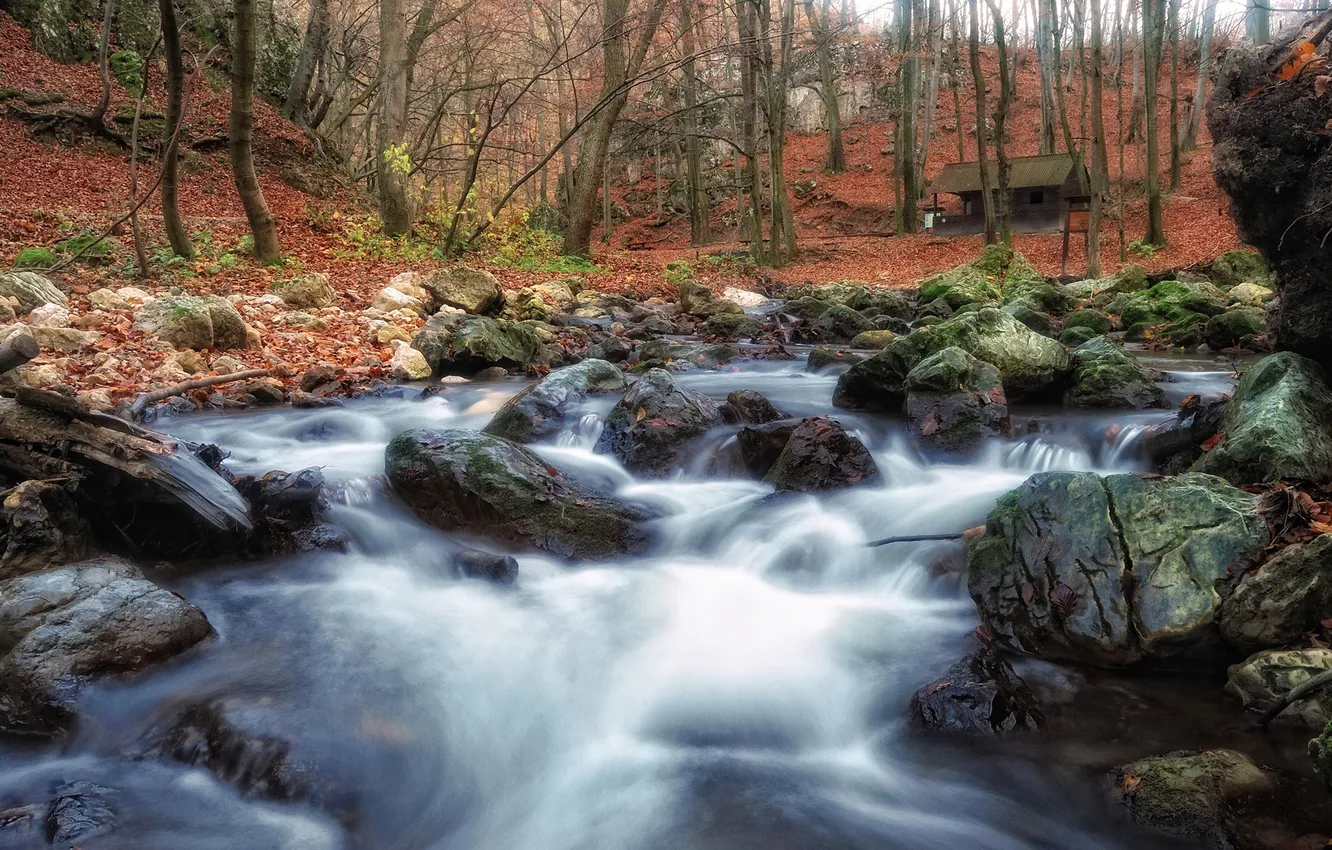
499	569
64	627
1287	597
460	480
980	695
956	402
1268	676
825	358
1191	794
538	411
1276	425
1105	375
821	455
1113	571
654	421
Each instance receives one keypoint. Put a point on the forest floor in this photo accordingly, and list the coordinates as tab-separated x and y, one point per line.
52	189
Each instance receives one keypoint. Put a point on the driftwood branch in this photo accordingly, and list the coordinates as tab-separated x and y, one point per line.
141	403
915	538
1300	691
17	350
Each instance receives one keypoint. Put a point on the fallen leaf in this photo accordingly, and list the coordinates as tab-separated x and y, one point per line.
1210	442
1301	56
1129	783
1321	84
1321	527
638	417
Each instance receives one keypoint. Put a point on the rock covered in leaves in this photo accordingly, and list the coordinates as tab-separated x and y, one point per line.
654	421
65	627
1288	596
821	455
1276	425
1105	375
193	321
1113	571
979	695
1267	676
956	402
471	290
539	411
460	344
1192	795
459	480
30	290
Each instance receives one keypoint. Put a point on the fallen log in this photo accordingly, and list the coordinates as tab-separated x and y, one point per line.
141	403
17	350
1300	691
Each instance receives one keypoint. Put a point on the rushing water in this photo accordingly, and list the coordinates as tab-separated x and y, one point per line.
743	686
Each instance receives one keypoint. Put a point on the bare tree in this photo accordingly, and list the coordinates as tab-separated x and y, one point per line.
821	24
1003	211
1100	169
177	236
1153	31
241	135
1204	68
978	79
700	231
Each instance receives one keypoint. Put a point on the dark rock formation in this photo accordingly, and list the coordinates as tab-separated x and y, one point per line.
654	421
820	455
979	695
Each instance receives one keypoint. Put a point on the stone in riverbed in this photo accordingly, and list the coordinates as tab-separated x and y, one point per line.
65	627
460	344
1105	375
1234	327
538	412
825	358
193	321
307	291
31	290
1269	675
459	480
752	408
760	445
654	421
408	364
1191	794
821	455
43	529
499	569
979	695
470	290
1276	425
1284	599
956	402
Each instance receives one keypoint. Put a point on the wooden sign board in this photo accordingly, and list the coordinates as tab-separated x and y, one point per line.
1079	221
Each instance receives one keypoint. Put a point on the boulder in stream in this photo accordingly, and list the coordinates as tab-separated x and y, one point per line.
979	695
458	344
1262	679
752	408
956	402
1287	597
760	445
1193	795
62	628
459	480
821	455
1114	571
538	411
656	419
1105	375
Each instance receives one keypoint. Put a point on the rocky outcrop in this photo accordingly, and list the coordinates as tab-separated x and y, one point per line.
656	419
821	455
1268	676
1193	795
1276	425
464	345
1287	597
30	290
459	480
308	291
193	321
1113	571
43	528
956	402
62	628
1105	375
538	412
979	695
1238	267
470	290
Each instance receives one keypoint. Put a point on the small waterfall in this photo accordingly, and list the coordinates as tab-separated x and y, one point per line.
1039	454
583	434
1124	445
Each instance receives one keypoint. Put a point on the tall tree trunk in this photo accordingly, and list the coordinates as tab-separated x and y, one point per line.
1172	29
700	230
1153	30
316	38
621	69
781	229
955	78
821	24
392	160
104	63
978	79
1003	211
1204	68
934	38
177	236
1258	21
241	135
1057	39
1047	52
1137	105
1119	109
1100	171
910	24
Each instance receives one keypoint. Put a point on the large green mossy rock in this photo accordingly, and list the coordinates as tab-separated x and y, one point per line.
1235	267
539	411
856	295
461	344
1192	795
1105	375
980	281
459	480
956	402
193	321
1113	571
1276	425
1234	327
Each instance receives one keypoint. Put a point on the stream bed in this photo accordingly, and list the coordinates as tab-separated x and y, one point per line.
742	686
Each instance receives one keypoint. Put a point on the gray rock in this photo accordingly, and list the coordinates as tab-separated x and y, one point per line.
1268	676
654	421
307	291
470	290
956	402
821	455
978	695
31	290
1286	598
193	321
464	345
538	411
1105	375
1193	795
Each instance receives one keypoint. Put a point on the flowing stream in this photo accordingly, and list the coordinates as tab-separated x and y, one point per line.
743	686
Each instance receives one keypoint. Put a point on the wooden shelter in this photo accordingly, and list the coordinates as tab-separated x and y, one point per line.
1041	191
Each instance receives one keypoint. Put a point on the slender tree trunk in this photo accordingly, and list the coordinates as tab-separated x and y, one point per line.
1153	27
1003	211
1172	29
748	39
1047	52
316	38
910	23
1100	171
177	236
104	63
700	231
392	160
241	132
1137	107
978	79
821	24
1259	24
955	81
1119	109
934	38
136	228
1204	68
1056	38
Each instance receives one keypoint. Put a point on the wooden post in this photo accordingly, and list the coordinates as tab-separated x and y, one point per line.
17	350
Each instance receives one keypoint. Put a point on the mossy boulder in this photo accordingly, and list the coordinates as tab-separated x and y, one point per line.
1073	337
1250	295
309	291
464	344
460	480
680	356
1239	266
956	402
1192	795
840	324
650	426
31	291
965	284
36	258
699	301
1276	425
1113	571
193	321
1097	322
1283	600
1105	375
730	326
471	290
856	295
805	307
1188	331
1268	676
539	411
1042	323
1234	327
872	339
824	358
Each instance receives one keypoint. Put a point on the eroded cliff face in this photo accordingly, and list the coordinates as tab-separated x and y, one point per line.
1272	154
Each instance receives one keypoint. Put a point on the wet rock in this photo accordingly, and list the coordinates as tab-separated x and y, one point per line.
956	402
612	349
79	812
1042	323
467	344
1195	795
288	513
1267	676
761	445
311	290
461	480
662	353
721	325
1286	598
1105	375
855	295
1230	329
805	307
193	321
1091	319
821	455
302	400
1238	267
491	373
1113	571
744	297
43	528
470	290
62	628
979	281
825	358
698	300
539	411
839	324
1276	425
408	364
473	563
1074	337
752	408
654	421
979	695
30	290
876	339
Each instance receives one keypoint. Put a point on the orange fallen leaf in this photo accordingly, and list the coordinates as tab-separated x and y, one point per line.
1210	442
642	412
1129	783
1321	527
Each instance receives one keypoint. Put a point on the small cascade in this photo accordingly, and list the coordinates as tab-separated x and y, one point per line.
583	434
1124	445
1037	453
